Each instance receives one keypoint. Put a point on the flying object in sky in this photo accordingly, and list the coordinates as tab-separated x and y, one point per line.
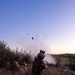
32	38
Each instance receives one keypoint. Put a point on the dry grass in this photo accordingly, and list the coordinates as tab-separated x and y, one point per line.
53	71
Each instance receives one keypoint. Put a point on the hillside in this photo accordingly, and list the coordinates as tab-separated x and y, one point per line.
65	63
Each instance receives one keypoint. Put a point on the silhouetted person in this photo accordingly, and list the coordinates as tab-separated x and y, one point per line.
14	64
38	64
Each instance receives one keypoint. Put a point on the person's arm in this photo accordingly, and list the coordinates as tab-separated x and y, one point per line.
44	65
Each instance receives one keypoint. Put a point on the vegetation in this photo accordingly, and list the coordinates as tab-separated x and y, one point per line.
71	64
66	60
7	55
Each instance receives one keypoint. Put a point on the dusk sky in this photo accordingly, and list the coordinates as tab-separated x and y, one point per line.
50	22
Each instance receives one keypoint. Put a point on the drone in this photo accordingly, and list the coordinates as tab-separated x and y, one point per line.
32	38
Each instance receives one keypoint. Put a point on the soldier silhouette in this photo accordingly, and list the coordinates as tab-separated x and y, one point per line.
38	64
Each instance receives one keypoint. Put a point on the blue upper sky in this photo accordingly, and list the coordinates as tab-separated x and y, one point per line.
50	22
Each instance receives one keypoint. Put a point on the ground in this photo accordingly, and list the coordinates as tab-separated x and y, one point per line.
61	69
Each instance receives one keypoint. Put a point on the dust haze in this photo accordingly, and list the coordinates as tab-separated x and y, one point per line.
33	45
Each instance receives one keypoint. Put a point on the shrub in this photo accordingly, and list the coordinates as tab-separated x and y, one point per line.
71	64
27	58
6	55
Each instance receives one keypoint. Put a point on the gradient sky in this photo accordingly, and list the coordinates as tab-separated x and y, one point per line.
50	22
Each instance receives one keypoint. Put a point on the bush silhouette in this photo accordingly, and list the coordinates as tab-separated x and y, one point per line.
6	55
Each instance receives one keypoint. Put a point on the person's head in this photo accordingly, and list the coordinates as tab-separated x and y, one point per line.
41	55
41	51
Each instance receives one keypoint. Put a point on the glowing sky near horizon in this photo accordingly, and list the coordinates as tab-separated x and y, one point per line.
50	22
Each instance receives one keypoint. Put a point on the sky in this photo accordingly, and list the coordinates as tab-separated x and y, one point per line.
50	22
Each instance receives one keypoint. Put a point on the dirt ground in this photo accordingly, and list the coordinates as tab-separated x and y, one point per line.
22	71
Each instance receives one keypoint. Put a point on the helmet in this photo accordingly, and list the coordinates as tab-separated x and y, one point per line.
41	51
